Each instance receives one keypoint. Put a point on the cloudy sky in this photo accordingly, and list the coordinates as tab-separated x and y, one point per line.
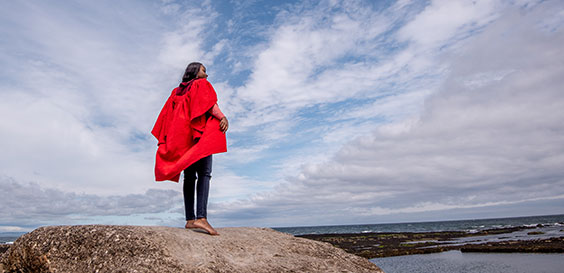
341	112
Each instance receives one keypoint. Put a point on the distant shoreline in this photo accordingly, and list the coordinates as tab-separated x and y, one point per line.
387	244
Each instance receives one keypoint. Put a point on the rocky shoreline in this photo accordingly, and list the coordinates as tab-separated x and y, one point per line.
377	245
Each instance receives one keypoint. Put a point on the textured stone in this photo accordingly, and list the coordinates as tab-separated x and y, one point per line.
102	248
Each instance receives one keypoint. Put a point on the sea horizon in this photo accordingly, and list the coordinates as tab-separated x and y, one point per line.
426	221
469	225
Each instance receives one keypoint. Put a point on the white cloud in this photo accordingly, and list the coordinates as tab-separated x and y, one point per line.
185	44
442	21
303	63
31	204
311	59
47	143
284	72
395	107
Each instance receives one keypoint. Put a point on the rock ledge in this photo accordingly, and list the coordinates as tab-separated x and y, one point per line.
103	248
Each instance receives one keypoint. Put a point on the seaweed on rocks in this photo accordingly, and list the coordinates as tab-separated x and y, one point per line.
376	245
552	245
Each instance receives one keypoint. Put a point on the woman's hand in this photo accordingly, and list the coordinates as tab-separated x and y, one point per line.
223	124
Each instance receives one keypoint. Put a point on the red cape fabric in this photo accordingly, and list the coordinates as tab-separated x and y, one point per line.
186	133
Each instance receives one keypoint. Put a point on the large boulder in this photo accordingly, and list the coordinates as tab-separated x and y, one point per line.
103	248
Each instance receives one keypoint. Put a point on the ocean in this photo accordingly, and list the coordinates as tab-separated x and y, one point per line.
459	262
474	225
9	237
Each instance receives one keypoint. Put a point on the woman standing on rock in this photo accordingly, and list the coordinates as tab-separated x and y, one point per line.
189	129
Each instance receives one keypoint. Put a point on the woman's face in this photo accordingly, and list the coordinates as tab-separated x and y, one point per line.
202	72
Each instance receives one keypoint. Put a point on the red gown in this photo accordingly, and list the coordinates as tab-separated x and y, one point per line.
186	133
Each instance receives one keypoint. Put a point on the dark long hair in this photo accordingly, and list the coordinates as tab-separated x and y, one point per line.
191	73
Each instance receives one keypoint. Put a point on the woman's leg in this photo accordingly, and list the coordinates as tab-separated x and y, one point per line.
203	188
188	190
202	191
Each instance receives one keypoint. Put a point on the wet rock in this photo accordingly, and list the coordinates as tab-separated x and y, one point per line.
101	248
552	245
377	245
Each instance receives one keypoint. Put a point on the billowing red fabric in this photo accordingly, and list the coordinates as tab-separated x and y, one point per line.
185	132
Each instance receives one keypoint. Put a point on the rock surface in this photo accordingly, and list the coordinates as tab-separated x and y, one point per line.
4	248
102	248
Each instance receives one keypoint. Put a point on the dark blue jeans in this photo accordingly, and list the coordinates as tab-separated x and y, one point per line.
203	169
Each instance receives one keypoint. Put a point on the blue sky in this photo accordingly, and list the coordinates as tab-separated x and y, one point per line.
341	112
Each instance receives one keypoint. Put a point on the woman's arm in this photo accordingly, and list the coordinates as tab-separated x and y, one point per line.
223	124
216	112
